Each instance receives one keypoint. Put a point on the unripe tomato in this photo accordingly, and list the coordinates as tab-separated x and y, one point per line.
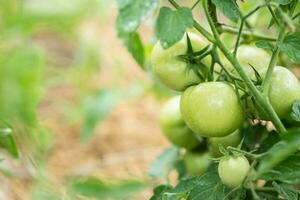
174	127
172	71
284	90
232	140
196	163
249	55
233	170
211	109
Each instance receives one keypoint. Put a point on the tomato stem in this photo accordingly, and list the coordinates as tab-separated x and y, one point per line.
273	62
253	35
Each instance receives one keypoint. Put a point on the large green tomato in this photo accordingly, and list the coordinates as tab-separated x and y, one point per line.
211	109
174	127
284	90
196	163
172	71
249	55
232	140
233	170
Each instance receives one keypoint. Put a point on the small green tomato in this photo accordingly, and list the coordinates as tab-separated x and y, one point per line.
233	170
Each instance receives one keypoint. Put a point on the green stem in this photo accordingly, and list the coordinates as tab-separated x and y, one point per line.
195	4
261	100
253	192
254	156
273	15
238	37
243	21
296	15
273	62
255	36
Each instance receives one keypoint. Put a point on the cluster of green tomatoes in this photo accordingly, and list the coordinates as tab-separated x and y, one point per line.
210	113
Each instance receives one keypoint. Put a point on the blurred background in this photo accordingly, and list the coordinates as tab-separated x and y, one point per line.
78	116
75	102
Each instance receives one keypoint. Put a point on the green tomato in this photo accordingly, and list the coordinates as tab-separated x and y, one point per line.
232	140
249	55
284	91
174	127
172	71
233	170
211	109
196	163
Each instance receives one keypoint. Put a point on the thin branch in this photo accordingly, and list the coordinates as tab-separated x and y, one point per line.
273	62
255	36
195	4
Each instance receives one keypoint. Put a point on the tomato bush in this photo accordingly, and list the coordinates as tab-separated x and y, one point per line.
230	79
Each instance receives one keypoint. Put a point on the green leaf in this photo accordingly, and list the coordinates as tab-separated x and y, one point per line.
229	8
172	24
159	191
280	151
210	187
207	186
96	108
165	163
296	111
286	191
291	46
287	171
131	14
264	44
95	188
7	140
284	2
135	46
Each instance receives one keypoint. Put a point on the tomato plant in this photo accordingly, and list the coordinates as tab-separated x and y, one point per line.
229	80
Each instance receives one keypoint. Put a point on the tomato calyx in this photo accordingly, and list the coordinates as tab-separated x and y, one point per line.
194	59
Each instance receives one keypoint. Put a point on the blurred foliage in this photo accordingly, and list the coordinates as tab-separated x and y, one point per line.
95	188
28	67
96	108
